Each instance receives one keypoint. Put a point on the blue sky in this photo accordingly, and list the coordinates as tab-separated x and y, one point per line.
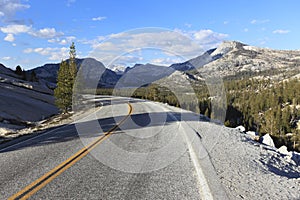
35	32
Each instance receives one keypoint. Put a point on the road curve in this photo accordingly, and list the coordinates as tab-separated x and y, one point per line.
147	151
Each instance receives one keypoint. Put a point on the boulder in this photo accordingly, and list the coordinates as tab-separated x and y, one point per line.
283	150
252	133
267	140
241	129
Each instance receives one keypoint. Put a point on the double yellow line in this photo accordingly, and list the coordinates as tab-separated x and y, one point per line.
38	184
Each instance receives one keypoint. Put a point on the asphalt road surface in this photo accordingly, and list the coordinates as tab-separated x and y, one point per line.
125	149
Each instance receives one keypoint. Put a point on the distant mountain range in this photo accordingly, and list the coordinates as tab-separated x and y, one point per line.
231	59
48	72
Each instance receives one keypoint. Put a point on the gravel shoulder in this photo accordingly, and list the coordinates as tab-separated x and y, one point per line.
247	169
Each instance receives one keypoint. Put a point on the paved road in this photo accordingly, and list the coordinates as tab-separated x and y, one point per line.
148	156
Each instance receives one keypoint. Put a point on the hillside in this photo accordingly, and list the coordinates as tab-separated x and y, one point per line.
22	102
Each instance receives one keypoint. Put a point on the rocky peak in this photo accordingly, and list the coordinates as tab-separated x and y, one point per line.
226	47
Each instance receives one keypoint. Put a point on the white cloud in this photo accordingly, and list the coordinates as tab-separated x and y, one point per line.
246	30
209	37
98	18
9	38
166	61
187	44
256	21
52	53
42	51
9	7
129	59
281	31
6	58
1	14
46	33
54	40
59	53
11	30
63	41
16	29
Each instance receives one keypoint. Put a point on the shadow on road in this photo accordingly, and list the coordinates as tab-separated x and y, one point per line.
89	130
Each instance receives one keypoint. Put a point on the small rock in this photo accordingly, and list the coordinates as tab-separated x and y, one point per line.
283	150
252	133
241	129
4	131
267	140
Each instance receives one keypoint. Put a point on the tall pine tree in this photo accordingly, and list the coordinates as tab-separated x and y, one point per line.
65	82
72	63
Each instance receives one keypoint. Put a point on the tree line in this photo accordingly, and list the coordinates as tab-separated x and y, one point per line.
260	105
24	75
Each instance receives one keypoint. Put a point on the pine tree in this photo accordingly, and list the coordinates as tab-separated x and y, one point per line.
65	82
63	91
72	62
19	70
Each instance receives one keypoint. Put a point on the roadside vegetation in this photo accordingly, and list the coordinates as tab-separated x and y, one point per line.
260	105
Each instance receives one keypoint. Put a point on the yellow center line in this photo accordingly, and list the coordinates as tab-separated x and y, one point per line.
38	184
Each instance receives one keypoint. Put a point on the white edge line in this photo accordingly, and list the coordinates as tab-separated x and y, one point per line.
203	184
